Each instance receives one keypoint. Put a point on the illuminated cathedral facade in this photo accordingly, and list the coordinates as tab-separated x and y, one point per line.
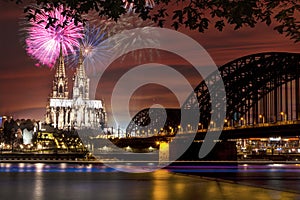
79	111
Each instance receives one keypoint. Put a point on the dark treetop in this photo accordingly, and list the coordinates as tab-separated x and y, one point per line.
193	14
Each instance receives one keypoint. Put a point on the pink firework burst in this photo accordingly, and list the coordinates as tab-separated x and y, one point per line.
43	44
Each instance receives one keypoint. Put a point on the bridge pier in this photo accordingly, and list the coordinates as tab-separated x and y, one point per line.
164	152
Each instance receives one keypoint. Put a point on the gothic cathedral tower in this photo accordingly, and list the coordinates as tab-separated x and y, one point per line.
56	114
79	111
60	83
81	81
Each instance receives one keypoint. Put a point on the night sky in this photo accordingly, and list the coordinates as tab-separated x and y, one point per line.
24	88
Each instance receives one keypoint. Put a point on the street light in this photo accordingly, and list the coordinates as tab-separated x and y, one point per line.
179	128
263	118
283	115
200	124
161	131
242	121
227	122
212	124
171	129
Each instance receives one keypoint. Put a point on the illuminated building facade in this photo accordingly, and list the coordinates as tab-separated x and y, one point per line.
78	112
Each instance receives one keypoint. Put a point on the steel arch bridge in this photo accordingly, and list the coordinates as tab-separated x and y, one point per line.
260	88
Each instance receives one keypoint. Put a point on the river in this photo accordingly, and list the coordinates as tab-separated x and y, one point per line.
39	181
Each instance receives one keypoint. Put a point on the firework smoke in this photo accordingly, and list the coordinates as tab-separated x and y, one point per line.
127	21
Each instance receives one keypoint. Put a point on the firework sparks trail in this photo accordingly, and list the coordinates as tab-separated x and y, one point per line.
94	47
43	44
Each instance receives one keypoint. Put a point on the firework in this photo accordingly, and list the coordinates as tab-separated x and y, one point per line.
43	44
94	47
127	21
140	37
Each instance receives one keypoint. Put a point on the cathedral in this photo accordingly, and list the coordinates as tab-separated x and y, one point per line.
79	111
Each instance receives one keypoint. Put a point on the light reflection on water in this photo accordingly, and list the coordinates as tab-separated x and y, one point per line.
70	181
38	191
59	167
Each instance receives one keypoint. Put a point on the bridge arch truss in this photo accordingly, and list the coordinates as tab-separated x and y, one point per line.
260	88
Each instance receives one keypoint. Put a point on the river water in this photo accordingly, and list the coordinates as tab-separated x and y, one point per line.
90	181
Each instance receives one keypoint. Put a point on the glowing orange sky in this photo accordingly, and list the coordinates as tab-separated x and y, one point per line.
24	88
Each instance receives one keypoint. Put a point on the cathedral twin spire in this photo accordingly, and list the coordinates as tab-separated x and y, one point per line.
78	111
60	71
81	81
60	83
80	70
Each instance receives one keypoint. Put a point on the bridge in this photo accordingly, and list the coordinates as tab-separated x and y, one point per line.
262	99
